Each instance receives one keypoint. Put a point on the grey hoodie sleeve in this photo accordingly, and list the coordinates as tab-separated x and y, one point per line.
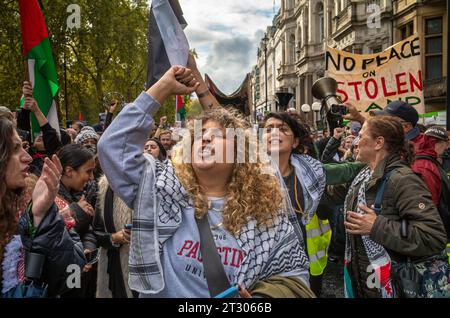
120	149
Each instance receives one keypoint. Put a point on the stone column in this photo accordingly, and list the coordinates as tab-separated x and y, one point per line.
309	97
310	23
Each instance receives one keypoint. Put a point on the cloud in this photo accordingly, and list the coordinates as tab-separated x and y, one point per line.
228	62
200	36
225	35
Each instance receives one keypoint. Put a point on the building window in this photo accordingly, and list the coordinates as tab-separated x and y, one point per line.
407	30
299	37
294	98
330	23
433	48
377	49
293	48
321	21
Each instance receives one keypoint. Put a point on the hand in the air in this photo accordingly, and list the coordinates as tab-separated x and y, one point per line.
46	188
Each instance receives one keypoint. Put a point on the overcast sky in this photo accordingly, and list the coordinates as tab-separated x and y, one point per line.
225	34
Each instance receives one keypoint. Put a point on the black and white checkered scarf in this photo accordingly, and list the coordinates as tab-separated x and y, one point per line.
311	175
158	214
378	256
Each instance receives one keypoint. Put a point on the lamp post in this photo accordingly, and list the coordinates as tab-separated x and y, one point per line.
306	109
283	99
265	40
316	107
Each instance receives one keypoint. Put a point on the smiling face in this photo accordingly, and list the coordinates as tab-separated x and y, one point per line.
209	152
18	165
76	179
283	142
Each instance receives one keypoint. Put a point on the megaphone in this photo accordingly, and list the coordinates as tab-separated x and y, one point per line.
325	89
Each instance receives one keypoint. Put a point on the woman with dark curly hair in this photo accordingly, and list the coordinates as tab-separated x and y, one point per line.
305	178
40	232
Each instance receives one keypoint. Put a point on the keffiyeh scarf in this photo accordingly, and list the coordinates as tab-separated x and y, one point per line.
312	178
378	257
311	175
158	214
13	264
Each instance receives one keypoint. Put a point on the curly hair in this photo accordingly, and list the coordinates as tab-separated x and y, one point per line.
251	193
8	197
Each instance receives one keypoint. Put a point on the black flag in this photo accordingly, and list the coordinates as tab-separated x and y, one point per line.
159	59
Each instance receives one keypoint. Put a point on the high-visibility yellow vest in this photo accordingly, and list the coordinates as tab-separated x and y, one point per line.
318	239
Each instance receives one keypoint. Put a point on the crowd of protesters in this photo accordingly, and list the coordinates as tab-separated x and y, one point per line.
117	200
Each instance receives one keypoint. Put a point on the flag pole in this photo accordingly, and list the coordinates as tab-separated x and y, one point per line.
27	71
27	79
65	88
176	108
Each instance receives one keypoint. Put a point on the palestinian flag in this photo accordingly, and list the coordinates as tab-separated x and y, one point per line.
37	51
167	43
181	109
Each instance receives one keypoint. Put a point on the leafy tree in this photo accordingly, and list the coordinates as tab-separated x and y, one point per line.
107	53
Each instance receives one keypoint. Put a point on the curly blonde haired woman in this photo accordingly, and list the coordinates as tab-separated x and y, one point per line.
251	231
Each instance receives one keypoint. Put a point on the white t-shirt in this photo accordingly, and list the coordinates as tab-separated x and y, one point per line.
181	259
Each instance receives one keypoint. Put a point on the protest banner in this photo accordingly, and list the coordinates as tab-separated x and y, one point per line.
371	81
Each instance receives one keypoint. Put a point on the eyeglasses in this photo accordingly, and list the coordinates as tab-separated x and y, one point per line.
283	129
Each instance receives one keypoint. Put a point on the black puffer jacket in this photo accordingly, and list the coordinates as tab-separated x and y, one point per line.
83	224
61	248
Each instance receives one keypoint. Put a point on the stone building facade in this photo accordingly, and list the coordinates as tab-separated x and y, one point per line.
293	49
